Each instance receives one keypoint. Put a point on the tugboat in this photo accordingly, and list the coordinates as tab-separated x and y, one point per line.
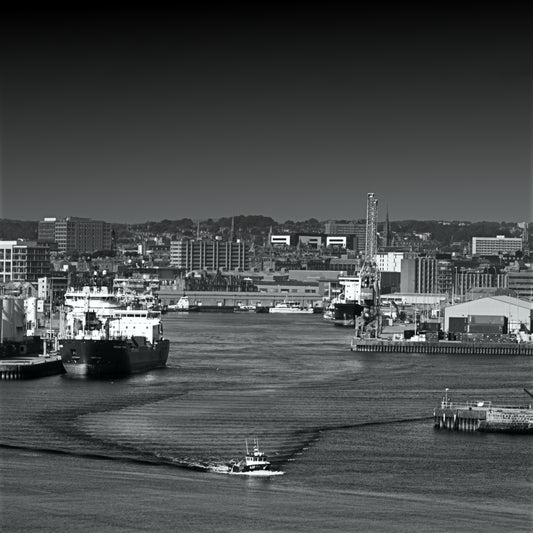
254	462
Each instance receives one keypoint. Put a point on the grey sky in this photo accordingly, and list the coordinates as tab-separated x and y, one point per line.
129	116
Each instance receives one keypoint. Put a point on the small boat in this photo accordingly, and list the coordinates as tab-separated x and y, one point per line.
245	308
288	307
254	462
183	305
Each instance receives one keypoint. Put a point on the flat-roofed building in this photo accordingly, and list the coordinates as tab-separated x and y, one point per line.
496	245
426	275
284	240
389	261
356	230
23	261
210	255
312	241
75	234
521	283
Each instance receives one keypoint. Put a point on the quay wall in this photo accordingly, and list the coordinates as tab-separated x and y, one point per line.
233	299
442	347
30	367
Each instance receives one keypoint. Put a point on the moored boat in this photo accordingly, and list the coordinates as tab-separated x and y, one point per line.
112	341
183	305
289	307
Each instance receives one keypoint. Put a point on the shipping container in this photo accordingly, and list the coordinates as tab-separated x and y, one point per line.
430	326
487	319
457	324
486	328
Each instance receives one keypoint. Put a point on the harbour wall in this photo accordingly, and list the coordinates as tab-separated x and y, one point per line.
30	367
234	299
442	347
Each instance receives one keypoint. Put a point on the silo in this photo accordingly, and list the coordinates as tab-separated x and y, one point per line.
13	319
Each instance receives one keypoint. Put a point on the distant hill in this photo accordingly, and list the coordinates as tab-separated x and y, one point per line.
11	230
251	226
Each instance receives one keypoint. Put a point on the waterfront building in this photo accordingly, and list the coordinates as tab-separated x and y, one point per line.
74	234
23	261
210	255
488	314
496	245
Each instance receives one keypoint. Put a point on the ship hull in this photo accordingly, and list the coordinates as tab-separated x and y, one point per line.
344	314
112	357
289	311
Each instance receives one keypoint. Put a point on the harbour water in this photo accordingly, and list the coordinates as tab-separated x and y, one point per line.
352	432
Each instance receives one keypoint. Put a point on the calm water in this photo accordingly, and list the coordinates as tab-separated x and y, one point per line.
352	432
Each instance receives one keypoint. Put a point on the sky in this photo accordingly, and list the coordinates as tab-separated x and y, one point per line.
144	114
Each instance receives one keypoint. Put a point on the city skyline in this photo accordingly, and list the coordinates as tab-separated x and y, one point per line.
140	115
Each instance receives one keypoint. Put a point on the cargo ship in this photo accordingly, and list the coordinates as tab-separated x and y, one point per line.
359	298
112	342
483	416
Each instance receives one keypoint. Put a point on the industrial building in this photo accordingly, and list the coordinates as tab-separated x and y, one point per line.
514	313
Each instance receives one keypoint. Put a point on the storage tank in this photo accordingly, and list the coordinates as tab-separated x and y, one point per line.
13	319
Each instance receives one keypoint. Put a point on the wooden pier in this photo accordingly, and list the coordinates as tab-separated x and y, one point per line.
442	347
30	367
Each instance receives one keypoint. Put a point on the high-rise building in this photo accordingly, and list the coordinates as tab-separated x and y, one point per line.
23	261
73	234
210	255
424	275
371	241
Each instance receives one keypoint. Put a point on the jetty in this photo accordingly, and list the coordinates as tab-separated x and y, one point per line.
483	416
30	367
441	347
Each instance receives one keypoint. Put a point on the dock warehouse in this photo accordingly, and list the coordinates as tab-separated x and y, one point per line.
517	312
